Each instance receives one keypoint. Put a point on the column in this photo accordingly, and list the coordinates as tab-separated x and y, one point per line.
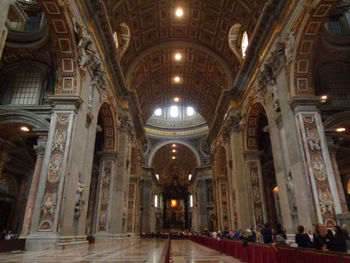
105	192
257	196
4	8
332	152
121	177
202	200
319	166
57	192
39	150
238	183
4	153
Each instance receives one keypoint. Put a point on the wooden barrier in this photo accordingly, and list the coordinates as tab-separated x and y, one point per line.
12	245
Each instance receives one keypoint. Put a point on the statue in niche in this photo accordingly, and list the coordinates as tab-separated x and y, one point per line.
291	192
79	202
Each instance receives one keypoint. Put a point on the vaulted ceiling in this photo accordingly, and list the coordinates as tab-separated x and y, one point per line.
174	170
208	65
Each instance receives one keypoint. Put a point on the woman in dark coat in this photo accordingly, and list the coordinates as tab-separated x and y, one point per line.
320	241
339	242
301	238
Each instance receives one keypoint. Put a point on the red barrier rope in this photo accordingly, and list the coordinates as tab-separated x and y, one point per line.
259	253
167	257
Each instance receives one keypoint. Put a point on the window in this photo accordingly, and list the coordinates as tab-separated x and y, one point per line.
245	44
115	36
191	200
189	111
155	200
26	88
158	112
174	111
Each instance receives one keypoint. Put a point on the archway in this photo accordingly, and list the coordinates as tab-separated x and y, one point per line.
261	167
20	133
174	165
105	141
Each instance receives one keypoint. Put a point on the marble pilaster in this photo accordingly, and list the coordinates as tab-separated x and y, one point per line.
319	166
40	151
257	196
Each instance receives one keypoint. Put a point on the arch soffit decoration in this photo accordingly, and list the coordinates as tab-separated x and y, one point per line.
160	145
178	45
251	130
63	35
109	128
305	51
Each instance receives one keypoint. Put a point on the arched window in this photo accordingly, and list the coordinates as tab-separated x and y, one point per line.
25	83
238	41
245	43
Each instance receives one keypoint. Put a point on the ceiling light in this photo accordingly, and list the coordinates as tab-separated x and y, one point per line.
25	129
174	151
178	56
179	12
174	145
173	157
176	99
340	129
177	79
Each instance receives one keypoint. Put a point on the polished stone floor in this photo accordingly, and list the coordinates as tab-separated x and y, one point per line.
184	251
126	250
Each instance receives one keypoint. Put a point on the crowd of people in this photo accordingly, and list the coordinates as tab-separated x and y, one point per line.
8	235
336	239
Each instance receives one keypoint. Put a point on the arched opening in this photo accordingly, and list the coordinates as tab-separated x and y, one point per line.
270	186
221	189
19	152
104	141
174	163
258	141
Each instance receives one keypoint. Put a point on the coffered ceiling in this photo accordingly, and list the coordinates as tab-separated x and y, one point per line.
208	65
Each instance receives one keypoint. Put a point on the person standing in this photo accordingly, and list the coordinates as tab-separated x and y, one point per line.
267	234
301	238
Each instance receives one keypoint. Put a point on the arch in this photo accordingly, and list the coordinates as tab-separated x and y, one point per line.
251	132
62	33
160	145
337	119
22	116
233	38
303	64
109	130
179	44
125	37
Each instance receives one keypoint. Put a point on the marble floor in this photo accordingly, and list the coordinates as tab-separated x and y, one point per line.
184	251
124	250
